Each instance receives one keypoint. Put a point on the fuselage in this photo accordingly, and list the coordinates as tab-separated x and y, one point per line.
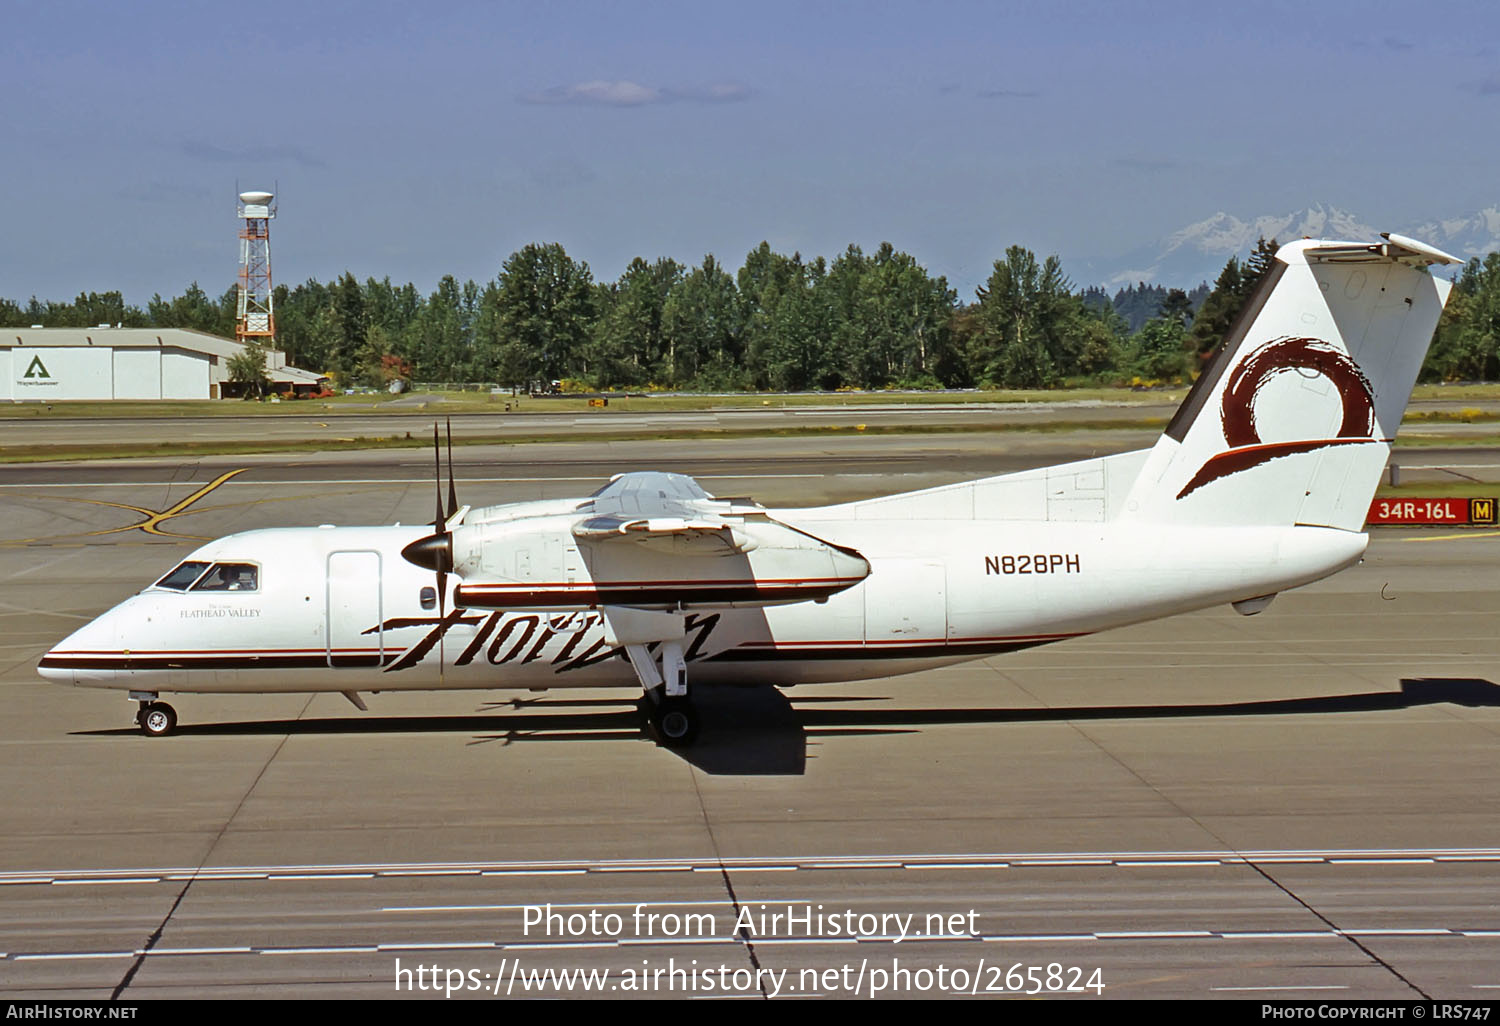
338	608
1261	482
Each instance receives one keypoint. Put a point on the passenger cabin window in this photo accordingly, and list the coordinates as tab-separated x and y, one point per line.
429	598
182	575
230	577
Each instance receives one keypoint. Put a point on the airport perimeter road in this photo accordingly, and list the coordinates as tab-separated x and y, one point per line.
1296	804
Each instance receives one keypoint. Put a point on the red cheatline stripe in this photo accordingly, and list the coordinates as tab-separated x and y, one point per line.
155	652
675	582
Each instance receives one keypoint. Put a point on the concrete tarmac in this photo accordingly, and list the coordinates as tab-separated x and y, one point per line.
1293	805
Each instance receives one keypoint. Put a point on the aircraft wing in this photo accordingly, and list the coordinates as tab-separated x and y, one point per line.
670	512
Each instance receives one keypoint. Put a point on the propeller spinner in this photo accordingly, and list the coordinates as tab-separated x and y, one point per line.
435	552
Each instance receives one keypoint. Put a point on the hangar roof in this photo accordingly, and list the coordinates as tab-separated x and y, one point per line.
122	338
295	375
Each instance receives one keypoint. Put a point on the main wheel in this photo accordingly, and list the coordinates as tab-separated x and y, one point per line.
157	719
675	721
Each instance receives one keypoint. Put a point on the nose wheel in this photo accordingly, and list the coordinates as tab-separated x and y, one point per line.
156	719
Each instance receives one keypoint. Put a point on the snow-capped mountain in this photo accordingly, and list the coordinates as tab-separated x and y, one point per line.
1198	252
1476	235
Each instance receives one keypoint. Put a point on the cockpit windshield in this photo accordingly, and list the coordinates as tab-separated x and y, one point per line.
197	576
230	577
182	575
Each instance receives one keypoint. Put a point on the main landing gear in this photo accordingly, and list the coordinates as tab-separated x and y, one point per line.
673	719
663	677
653	641
156	719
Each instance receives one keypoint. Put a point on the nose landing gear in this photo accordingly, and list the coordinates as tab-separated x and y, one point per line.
156	719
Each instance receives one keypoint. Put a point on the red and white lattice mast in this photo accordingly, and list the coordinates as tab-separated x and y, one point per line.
255	321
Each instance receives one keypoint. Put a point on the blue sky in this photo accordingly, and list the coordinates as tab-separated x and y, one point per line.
414	141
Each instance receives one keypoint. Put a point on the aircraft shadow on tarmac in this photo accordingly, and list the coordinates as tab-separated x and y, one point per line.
758	731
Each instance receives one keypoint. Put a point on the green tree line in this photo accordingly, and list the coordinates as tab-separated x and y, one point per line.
780	322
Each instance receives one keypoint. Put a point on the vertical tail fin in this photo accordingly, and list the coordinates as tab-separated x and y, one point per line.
1292	420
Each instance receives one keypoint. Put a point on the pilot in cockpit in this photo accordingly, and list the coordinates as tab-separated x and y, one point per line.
230	577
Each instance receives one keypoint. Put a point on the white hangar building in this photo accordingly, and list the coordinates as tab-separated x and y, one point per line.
127	363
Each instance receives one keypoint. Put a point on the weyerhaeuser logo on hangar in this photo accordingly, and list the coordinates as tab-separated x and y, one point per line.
37	374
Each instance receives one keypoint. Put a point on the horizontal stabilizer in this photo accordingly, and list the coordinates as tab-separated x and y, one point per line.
1396	247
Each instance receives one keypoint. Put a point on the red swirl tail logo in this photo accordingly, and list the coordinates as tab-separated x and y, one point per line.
1246	450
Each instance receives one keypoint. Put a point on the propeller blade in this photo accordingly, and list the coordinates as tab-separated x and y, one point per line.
437	480
452	491
436	550
442	583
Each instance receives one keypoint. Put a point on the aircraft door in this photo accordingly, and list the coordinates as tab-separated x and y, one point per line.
906	601
354	607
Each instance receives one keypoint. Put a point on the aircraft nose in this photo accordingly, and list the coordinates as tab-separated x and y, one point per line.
54	664
69	660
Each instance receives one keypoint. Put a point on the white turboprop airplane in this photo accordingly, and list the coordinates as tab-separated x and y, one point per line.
1260	483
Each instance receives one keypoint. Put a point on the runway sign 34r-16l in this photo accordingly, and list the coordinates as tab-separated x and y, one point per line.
1478	512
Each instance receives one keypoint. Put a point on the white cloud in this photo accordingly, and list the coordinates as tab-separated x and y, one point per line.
600	93
597	93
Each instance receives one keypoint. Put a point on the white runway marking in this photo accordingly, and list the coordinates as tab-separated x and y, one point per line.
748	869
1231	990
439	946
784	941
1048	860
201	951
657	941
1105	937
112	880
563	906
1037	938
644	869
1403	932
